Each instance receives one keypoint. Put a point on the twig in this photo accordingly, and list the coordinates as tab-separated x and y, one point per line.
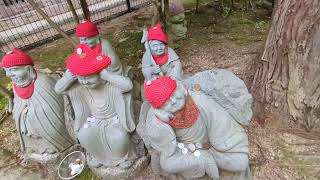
3	116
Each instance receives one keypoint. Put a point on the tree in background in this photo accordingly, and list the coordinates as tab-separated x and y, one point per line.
288	76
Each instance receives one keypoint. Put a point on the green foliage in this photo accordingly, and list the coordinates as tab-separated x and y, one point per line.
129	50
87	174
52	57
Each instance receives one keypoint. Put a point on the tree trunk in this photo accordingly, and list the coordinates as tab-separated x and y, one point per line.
73	10
85	9
288	76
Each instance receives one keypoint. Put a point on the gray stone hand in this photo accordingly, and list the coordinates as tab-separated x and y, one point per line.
157	70
65	82
69	75
123	83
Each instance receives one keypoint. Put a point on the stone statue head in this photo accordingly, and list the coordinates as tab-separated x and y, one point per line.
167	96
157	47
90	41
157	40
21	76
88	33
90	81
18	66
86	65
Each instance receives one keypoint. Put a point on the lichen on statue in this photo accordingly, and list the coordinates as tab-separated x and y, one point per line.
101	103
193	134
38	110
159	58
88	34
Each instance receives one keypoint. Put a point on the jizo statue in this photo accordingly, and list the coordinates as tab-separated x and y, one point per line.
159	58
192	134
88	34
38	110
101	104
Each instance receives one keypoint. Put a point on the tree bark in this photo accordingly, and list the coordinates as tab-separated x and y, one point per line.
288	76
48	19
85	9
73	10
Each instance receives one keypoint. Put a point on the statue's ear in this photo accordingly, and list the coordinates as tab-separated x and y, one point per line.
31	71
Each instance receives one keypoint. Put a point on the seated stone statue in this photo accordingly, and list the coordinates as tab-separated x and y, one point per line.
159	58
192	134
38	110
103	117
88	34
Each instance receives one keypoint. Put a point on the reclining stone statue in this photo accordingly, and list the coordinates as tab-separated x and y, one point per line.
103	118
88	34
159	58
38	110
190	134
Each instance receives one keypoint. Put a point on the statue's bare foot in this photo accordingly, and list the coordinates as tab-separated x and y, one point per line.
94	163
126	165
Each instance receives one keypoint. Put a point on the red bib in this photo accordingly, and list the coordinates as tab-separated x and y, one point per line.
25	92
186	117
162	59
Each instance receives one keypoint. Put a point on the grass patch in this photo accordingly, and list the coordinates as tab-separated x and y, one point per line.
52	57
129	49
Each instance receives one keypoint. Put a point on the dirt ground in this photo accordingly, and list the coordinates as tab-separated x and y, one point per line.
213	41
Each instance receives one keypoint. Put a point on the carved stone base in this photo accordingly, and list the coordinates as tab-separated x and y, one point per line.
49	162
117	173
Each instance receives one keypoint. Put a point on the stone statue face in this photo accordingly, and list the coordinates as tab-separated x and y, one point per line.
91	81
21	76
176	101
90	41
157	47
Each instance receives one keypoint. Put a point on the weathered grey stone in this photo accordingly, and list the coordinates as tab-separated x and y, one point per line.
191	135
151	68
37	110
118	173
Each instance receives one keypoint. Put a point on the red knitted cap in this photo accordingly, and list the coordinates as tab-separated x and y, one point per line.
158	91
86	29
156	33
16	57
85	61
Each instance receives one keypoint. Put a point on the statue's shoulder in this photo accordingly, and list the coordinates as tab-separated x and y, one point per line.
172	54
105	43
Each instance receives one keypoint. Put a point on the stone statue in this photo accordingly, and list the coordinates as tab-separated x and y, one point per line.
177	23
88	33
38	110
190	135
102	106
159	58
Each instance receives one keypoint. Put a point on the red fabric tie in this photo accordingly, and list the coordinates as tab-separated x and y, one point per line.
162	59
25	92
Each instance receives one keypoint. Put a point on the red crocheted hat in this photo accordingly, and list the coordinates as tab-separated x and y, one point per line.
86	29
85	61
16	57
156	33
158	91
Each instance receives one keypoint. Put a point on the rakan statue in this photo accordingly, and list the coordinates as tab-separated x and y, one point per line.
159	59
101	102
88	34
190	135
37	110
